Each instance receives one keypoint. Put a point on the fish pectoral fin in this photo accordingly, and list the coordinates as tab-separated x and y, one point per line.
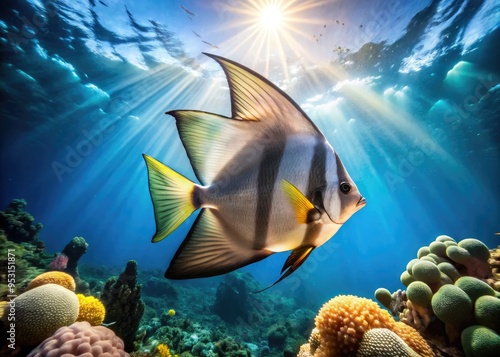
296	258
305	212
172	195
208	251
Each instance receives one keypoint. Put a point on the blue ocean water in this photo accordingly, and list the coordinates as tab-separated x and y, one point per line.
407	94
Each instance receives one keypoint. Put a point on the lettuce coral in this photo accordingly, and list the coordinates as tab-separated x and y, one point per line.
53	277
91	310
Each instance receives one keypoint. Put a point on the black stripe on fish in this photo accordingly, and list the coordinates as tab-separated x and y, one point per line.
266	183
316	183
342	176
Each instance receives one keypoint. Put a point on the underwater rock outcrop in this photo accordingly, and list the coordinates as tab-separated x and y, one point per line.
451	287
18	224
74	251
232	301
124	308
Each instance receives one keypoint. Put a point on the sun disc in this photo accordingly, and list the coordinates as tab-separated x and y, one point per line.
271	17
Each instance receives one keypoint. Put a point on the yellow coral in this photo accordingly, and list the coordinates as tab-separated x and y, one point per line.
162	350
53	277
343	321
91	310
413	339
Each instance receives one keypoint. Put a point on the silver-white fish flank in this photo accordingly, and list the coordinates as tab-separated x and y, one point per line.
269	182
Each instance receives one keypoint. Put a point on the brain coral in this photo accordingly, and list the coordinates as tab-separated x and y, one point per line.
81	339
343	320
91	310
382	342
41	311
53	277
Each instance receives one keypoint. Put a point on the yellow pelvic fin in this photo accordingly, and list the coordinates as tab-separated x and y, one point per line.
301	205
172	196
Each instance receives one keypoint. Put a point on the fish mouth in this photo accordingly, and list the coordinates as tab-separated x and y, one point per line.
361	203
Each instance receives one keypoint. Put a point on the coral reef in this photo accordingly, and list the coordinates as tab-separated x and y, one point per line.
480	341
39	312
463	296
53	277
343	321
17	224
81	339
60	262
91	310
382	342
124	308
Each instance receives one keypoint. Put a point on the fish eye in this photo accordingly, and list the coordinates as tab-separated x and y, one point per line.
345	188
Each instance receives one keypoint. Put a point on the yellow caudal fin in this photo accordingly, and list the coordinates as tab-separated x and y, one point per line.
305	212
172	196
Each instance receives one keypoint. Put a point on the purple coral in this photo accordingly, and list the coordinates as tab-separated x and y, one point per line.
60	262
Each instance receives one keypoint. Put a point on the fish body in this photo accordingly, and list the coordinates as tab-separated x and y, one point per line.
269	182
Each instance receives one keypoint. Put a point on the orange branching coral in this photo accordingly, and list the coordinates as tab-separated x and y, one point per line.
91	310
494	261
53	277
343	320
413	339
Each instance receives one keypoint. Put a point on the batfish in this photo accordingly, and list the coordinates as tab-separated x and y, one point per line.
269	182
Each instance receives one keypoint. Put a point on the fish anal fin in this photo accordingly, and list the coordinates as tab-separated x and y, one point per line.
208	251
296	258
305	212
173	197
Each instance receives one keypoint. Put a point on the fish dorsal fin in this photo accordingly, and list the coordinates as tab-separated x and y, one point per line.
255	98
208	250
305	212
210	140
296	258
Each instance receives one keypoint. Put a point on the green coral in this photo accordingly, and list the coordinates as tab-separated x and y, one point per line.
426	271
438	248
449	270
422	252
384	297
458	254
419	293
452	305
474	287
476	248
406	278
487	312
480	341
